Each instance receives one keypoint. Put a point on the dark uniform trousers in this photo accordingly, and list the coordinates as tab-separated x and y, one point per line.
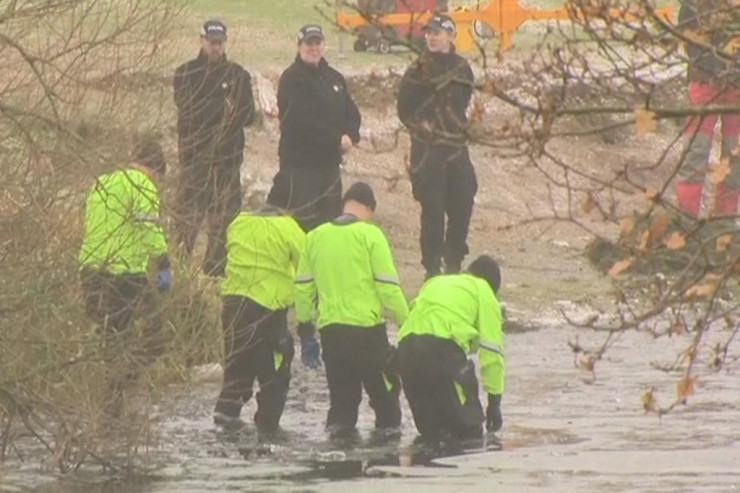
440	385
258	346
443	181
357	357
313	194
114	303
212	191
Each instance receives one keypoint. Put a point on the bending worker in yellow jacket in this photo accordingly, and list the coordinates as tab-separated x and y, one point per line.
453	316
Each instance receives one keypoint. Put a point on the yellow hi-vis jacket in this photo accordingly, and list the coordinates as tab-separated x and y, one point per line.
348	267
464	309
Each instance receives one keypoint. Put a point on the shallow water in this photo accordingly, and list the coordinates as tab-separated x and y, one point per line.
563	431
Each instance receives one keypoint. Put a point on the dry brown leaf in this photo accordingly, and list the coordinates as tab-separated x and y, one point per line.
701	290
586	362
651	194
732	47
686	388
721	171
644	241
489	87
477	112
678	328
695	36
626	226
649	402
620	266
688	355
589	203
724	242
645	121
659	227
675	241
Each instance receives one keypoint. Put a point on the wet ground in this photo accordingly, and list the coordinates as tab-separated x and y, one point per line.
563	432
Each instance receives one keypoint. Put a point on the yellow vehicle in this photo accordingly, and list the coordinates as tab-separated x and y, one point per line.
502	17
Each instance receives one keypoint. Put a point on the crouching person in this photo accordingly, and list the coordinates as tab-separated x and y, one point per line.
263	250
453	316
348	267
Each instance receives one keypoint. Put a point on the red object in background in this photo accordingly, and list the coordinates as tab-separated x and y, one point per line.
403	6
372	37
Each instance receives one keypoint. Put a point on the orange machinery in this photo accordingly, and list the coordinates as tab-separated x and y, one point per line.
502	16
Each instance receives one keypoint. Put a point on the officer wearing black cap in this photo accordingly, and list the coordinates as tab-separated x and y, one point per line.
214	103
319	123
345	279
453	316
433	98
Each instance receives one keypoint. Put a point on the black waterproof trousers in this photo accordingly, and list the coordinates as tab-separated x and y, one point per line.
441	388
357	357
115	303
443	181
258	346
313	194
211	192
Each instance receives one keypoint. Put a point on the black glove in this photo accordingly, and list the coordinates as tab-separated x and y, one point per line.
306	329
494	420
284	346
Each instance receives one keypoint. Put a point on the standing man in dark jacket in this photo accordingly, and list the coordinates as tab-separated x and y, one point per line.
214	103
434	95
714	78
319	123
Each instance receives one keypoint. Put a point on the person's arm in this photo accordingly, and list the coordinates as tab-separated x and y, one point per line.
491	341
353	118
467	80
305	289
296	243
687	15
146	215
410	98
386	278
245	103
300	118
690	25
180	88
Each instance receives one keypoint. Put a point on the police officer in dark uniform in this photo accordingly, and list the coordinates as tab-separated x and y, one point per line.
319	123
214	103
433	98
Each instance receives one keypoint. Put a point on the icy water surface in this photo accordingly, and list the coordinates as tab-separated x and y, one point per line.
562	432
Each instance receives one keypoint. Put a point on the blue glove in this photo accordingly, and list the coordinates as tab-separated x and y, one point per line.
164	279
310	352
